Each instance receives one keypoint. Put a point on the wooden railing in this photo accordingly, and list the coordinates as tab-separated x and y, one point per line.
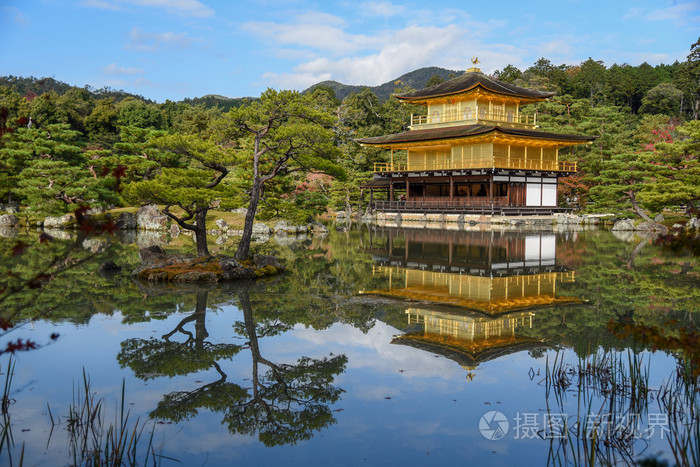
480	204
469	205
478	163
473	116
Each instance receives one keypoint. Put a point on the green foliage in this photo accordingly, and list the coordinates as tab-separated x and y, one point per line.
55	187
101	124
509	74
664	98
280	135
138	158
319	129
74	107
194	187
197	120
17	107
666	177
48	167
211	101
44	109
434	81
619	176
137	113
676	178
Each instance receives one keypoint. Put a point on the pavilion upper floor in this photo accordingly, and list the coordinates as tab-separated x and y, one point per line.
473	98
475	147
477	109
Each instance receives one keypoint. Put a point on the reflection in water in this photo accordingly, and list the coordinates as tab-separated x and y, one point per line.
496	280
468	338
289	401
485	271
285	404
400	404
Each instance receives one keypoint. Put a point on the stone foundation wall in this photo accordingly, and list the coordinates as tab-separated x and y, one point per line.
475	221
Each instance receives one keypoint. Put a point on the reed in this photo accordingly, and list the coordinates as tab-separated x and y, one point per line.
679	400
7	442
609	388
94	442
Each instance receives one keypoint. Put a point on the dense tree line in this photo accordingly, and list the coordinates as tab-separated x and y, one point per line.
62	146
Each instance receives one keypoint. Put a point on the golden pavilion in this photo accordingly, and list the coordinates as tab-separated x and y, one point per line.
472	151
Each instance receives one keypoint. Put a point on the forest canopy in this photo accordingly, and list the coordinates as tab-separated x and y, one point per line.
87	143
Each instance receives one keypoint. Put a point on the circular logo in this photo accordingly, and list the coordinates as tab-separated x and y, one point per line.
493	425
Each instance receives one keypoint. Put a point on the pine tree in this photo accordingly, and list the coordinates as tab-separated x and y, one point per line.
194	187
30	159
281	134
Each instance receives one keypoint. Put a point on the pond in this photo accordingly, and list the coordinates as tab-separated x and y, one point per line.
378	346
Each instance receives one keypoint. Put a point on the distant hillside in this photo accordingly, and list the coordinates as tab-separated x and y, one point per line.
39	86
416	79
214	100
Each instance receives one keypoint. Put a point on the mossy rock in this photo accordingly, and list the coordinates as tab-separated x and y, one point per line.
176	268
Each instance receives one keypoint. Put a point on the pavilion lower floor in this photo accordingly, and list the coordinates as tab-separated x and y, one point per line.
481	193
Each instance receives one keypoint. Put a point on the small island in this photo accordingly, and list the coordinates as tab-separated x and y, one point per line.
157	266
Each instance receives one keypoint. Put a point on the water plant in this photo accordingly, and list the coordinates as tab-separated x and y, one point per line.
6	440
613	398
92	441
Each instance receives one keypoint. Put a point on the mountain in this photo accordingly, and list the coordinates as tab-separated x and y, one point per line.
38	86
416	79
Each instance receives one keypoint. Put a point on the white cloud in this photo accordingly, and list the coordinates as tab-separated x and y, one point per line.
324	46
102	5
680	14
651	57
374	350
319	31
113	69
384	9
389	55
562	46
150	42
17	16
190	8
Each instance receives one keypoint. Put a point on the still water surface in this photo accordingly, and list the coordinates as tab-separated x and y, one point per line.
377	347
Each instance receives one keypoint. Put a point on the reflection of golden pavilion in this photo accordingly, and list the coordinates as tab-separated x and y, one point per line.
468	338
493	295
496	279
484	271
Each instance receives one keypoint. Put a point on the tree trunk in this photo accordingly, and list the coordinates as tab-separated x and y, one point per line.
243	249
637	209
200	234
200	328
635	252
247	308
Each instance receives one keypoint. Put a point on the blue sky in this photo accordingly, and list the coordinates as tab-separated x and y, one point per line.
172	49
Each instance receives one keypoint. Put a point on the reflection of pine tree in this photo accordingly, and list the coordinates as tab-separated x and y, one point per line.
150	358
285	404
289	401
